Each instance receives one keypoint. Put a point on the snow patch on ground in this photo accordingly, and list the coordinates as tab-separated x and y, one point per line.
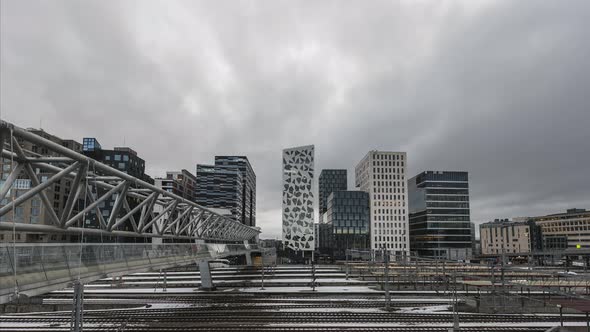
430	325
445	309
320	289
351	310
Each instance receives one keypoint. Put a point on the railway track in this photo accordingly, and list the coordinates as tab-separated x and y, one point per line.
264	306
334	328
149	292
375	303
174	316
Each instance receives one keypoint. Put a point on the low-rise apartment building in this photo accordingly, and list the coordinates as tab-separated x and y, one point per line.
503	236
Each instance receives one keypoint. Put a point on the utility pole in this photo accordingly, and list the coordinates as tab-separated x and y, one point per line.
444	273
165	284
78	307
456	327
313	275
346	266
386	279
502	272
493	269
262	275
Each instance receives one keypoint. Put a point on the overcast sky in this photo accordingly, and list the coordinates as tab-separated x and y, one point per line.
497	88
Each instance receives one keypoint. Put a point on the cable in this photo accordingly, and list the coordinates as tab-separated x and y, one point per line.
83	223
13	196
95	190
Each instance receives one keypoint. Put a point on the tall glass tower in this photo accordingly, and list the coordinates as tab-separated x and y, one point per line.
330	180
439	214
248	194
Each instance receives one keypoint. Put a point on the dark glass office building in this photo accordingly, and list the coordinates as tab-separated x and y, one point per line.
439	214
220	187
123	159
248	204
348	217
330	180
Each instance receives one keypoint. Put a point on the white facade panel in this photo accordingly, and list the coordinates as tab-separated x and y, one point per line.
298	213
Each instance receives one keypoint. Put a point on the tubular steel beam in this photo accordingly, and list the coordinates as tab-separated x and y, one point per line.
129	215
96	208
79	188
93	204
121	196
36	228
36	190
35	181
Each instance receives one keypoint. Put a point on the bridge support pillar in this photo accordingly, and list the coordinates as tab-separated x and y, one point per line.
249	259
205	272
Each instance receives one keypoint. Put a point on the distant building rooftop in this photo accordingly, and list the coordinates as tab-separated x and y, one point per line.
125	149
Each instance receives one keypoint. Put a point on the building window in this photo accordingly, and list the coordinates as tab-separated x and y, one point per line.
35	211
117	157
19	214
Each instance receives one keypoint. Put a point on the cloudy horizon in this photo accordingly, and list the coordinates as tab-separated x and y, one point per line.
494	88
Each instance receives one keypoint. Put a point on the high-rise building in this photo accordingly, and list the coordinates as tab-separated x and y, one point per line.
228	184
220	187
348	217
33	211
298	214
330	180
439	215
248	185
383	175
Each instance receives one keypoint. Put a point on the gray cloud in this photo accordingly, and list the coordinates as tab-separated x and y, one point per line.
495	88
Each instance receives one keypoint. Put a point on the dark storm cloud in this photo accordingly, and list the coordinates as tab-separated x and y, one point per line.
495	88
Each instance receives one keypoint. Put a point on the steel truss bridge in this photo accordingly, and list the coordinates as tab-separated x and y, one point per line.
135	200
139	210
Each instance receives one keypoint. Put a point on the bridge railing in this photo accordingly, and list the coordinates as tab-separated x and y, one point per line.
42	266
